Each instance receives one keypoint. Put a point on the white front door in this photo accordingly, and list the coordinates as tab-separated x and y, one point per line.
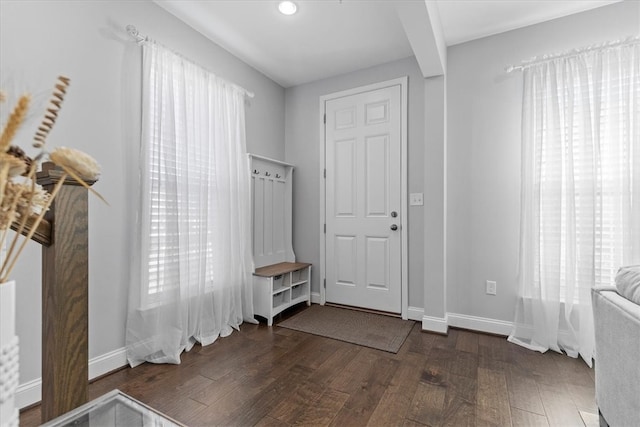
363	199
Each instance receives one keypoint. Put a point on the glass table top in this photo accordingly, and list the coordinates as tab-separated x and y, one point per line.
113	409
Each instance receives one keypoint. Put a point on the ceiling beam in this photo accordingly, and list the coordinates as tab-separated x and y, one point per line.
421	23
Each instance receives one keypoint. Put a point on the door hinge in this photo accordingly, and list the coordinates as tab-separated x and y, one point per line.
325	229
325	173
325	119
325	283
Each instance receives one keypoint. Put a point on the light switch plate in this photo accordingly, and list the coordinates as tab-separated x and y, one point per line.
415	199
491	287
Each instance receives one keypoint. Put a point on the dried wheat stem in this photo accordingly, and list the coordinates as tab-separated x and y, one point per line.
82	182
23	220
51	114
2	239
4	177
4	275
15	120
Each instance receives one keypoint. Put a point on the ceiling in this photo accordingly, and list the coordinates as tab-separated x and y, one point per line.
331	37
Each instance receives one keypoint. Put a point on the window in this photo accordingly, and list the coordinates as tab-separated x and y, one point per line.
192	282
585	154
190	174
580	215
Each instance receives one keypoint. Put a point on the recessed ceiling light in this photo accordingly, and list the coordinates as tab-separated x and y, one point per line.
287	7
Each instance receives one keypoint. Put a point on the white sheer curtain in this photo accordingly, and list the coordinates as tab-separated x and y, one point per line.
192	281
580	211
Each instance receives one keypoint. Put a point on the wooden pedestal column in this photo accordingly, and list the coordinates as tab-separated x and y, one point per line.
65	313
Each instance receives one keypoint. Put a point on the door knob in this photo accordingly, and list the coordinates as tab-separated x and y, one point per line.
394	227
394	214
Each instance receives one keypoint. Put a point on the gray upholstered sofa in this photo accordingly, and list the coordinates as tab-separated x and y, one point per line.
617	361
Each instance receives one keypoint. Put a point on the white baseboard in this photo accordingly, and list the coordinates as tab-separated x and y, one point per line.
315	298
435	324
481	324
107	362
415	313
31	391
473	323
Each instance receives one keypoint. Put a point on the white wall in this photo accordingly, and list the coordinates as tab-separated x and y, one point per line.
483	178
435	226
101	114
302	149
86	41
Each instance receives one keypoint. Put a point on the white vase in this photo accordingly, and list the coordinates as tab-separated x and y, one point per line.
9	415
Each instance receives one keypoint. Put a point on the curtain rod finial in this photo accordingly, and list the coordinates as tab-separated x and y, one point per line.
133	31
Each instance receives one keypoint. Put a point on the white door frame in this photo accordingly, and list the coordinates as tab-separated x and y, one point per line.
404	266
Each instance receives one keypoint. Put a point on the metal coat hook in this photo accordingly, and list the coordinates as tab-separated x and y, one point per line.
255	171
267	174
277	175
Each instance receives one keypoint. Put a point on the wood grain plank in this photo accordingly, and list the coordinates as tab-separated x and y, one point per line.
270	422
573	371
180	408
324	410
467	341
559	406
462	388
280	268
362	403
314	359
437	365
523	393
522	418
493	352
410	423
427	404
459	413
465	364
583	397
215	391
227	407
460	400
419	342
261	405
491	417
292	406
394	403
356	370
334	365
492	402
445	341
590	419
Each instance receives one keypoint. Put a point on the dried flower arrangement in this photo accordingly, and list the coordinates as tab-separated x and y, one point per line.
23	203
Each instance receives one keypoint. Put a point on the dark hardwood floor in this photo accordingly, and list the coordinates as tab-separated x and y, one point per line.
275	376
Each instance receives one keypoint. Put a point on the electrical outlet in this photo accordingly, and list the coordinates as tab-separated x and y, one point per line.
416	199
491	287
